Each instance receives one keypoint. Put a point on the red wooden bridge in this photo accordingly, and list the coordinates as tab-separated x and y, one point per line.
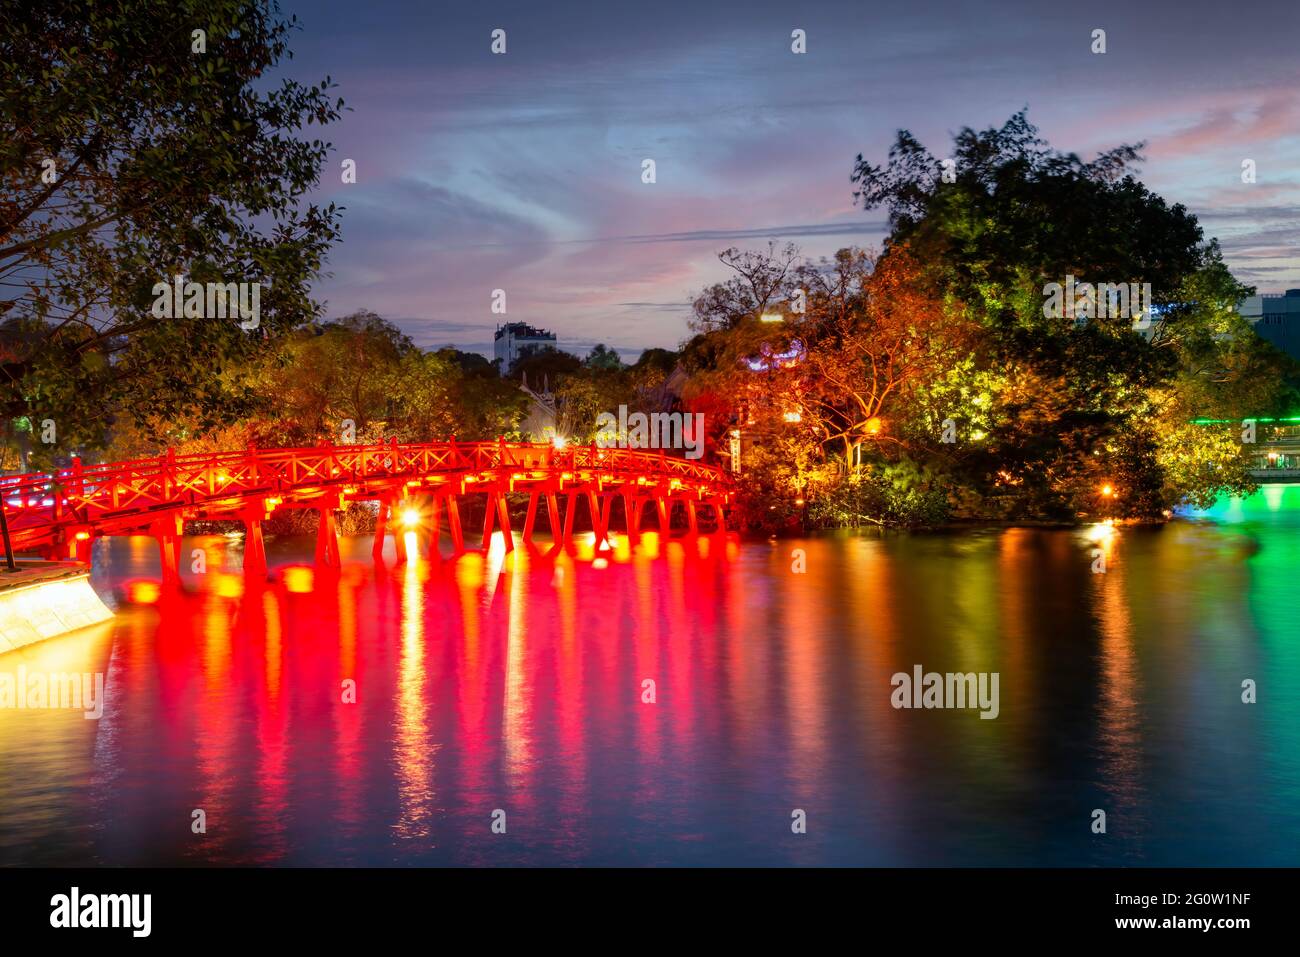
58	515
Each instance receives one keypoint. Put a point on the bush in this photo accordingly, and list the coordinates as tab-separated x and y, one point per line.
884	494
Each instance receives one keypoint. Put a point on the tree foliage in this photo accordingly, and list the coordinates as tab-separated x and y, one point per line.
1074	405
141	140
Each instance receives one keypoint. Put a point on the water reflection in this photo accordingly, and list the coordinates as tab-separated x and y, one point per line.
413	752
1119	712
677	702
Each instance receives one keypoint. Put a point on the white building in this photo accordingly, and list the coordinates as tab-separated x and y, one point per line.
516	339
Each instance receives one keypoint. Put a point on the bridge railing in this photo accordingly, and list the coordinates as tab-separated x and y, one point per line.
138	486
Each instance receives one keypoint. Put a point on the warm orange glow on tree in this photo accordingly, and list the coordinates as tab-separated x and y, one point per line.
878	335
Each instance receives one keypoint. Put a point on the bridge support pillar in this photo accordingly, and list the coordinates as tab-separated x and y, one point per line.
75	546
553	514
168	533
717	513
435	527
570	510
496	503
399	536
254	548
327	539
503	517
381	530
530	519
453	525
79	548
632	516
664	508
692	520
596	505
488	509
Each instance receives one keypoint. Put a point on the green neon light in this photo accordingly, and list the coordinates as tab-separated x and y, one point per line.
1203	421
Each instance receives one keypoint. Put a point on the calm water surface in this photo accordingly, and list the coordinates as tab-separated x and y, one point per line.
515	683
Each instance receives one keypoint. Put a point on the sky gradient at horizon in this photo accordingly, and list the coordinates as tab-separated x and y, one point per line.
522	171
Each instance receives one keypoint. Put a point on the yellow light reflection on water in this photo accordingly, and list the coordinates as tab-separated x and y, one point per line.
225	585
1121	692
584	545
516	725
411	751
299	579
1104	536
649	544
1101	532
143	592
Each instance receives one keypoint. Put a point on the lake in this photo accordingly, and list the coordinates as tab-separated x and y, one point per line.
692	702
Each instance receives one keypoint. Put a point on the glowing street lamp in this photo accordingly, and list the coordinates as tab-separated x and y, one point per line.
771	317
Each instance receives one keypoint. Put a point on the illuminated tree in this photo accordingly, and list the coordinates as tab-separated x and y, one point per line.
1068	402
874	335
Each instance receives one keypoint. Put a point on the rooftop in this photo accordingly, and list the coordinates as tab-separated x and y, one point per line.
522	330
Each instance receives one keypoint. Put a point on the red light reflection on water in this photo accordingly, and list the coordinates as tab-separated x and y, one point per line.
376	715
479	683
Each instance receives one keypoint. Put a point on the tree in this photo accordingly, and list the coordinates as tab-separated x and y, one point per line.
874	334
471	363
425	388
761	281
602	357
1069	403
349	369
547	363
139	141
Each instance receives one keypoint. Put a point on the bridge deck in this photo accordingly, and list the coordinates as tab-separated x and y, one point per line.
59	514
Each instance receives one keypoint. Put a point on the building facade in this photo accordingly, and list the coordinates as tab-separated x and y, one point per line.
1276	318
516	339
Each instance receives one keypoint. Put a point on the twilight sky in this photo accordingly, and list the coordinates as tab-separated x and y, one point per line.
522	171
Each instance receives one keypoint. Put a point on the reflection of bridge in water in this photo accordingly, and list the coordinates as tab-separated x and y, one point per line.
60	514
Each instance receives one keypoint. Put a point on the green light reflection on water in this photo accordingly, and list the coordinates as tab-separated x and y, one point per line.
1270	519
